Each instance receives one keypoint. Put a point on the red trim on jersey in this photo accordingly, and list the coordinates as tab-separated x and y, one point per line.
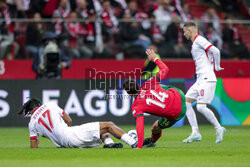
208	47
35	110
195	37
63	112
163	69
33	137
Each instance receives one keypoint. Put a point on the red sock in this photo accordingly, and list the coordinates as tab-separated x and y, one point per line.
156	136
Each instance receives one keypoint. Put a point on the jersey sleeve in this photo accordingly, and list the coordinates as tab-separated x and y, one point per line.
55	108
204	43
163	70
216	54
33	133
136	111
138	115
140	130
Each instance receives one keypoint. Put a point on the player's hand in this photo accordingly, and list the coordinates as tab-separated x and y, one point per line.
219	68
151	54
63	64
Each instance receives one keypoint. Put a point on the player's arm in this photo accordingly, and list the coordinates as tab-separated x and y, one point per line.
34	140
67	119
207	46
163	69
216	55
140	129
34	143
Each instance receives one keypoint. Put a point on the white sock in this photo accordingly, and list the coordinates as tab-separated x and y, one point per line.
128	139
192	118
209	115
108	141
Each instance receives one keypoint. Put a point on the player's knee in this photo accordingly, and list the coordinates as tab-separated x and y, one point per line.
156	128
201	107
110	123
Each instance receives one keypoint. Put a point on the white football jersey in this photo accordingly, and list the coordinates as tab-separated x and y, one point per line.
204	61
47	121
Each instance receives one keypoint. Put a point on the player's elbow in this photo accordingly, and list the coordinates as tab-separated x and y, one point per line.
167	69
215	50
164	71
69	121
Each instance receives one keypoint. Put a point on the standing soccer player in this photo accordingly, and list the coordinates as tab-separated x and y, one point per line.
206	57
154	98
50	121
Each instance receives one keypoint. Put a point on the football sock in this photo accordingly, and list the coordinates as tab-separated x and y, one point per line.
128	139
192	118
108	141
156	136
209	115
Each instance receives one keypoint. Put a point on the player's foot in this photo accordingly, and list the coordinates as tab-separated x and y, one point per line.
134	145
113	145
148	142
219	134
193	137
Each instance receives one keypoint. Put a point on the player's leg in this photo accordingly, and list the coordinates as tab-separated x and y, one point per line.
191	95
110	127
163	123
106	138
156	131
155	135
108	141
205	97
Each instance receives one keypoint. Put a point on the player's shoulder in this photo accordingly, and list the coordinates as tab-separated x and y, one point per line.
136	102
200	39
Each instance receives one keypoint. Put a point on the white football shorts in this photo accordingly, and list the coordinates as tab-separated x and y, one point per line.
202	91
85	135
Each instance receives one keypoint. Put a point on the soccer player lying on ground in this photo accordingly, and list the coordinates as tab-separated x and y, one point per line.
50	121
167	102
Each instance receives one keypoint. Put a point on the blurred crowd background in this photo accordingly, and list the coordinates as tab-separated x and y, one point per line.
118	29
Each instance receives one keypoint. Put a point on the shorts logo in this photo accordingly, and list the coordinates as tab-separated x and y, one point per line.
165	123
202	92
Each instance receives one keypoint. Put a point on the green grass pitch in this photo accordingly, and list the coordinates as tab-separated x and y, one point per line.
170	151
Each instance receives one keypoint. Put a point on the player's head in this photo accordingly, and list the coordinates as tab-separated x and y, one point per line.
190	29
29	106
131	87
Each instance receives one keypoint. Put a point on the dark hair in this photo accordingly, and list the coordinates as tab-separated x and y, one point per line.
29	105
131	86
190	24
